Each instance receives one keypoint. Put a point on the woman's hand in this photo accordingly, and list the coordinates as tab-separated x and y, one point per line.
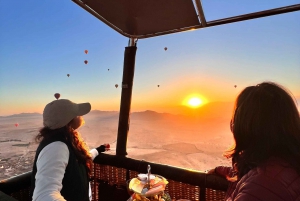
103	148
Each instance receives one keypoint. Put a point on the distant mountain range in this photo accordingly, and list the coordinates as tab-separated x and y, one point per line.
35	114
208	111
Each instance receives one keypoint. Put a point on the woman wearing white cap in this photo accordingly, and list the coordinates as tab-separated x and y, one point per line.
63	162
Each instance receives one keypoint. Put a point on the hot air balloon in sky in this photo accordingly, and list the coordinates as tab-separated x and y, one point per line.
165	48
57	95
108	69
116	85
157	85
16	124
85	61
86	51
68	75
234	86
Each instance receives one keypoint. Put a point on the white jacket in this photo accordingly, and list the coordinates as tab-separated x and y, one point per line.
51	165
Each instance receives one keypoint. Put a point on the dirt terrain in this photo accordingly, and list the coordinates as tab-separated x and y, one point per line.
157	137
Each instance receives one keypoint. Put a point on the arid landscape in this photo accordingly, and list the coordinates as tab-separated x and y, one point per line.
194	141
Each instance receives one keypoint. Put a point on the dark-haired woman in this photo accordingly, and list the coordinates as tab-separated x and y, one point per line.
63	162
266	154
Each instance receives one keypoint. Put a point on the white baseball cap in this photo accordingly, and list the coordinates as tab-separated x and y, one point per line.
60	112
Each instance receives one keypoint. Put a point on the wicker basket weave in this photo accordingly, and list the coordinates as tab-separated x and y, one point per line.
177	190
113	172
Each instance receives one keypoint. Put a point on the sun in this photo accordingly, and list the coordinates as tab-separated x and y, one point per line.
194	101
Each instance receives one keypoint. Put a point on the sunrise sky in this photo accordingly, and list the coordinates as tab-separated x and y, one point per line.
43	41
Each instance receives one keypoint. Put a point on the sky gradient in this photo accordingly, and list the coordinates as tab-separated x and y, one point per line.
43	41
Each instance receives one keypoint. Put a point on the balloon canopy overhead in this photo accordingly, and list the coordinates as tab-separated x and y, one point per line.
147	18
138	19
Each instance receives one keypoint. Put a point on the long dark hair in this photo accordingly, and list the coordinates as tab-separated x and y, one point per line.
73	138
265	123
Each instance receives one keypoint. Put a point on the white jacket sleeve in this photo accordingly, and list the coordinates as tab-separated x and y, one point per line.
51	165
94	153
